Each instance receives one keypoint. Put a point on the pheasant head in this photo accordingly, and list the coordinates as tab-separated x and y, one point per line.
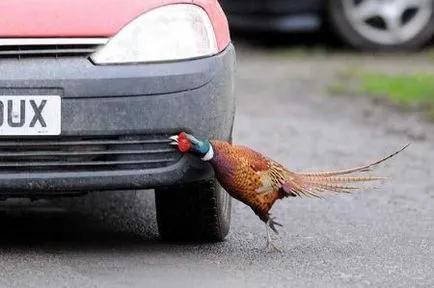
187	143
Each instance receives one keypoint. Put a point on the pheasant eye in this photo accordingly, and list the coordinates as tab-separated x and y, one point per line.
184	145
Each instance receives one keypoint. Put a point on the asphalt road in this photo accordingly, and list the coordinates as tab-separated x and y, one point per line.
379	238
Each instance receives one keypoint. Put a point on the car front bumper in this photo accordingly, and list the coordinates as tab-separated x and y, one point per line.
124	105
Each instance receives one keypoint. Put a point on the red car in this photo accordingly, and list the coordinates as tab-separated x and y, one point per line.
90	91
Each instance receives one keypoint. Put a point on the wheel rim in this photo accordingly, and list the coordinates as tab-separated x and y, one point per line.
388	22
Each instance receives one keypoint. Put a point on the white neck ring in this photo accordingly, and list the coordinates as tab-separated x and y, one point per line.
209	155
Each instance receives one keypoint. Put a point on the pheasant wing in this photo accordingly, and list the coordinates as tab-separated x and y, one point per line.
271	173
256	160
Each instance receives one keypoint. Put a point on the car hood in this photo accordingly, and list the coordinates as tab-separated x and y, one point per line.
71	18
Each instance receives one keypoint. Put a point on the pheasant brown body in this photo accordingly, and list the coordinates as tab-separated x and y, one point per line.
248	176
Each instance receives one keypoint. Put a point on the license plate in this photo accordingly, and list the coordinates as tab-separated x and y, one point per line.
30	115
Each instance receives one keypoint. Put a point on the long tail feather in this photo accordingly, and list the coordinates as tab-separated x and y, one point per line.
345	179
318	187
315	184
364	168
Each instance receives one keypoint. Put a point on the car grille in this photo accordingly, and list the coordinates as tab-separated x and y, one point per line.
86	153
49	47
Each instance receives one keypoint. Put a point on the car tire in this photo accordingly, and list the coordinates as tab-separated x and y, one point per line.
344	28
198	212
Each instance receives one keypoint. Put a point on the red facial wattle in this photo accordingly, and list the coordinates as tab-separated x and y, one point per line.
184	145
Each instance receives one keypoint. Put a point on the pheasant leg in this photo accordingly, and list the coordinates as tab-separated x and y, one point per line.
270	245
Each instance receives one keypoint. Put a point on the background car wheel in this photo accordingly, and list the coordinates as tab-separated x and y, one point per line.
194	212
379	25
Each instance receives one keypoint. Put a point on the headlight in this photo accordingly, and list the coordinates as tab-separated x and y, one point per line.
172	32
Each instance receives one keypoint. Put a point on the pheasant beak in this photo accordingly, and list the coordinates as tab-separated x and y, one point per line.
174	140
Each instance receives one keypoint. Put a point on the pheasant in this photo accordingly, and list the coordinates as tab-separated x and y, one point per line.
258	181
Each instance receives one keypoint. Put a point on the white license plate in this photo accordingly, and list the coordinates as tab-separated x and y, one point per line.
30	115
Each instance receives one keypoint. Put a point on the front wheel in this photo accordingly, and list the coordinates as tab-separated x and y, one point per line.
193	212
376	25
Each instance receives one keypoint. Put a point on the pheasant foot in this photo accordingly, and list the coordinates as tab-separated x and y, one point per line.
270	245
